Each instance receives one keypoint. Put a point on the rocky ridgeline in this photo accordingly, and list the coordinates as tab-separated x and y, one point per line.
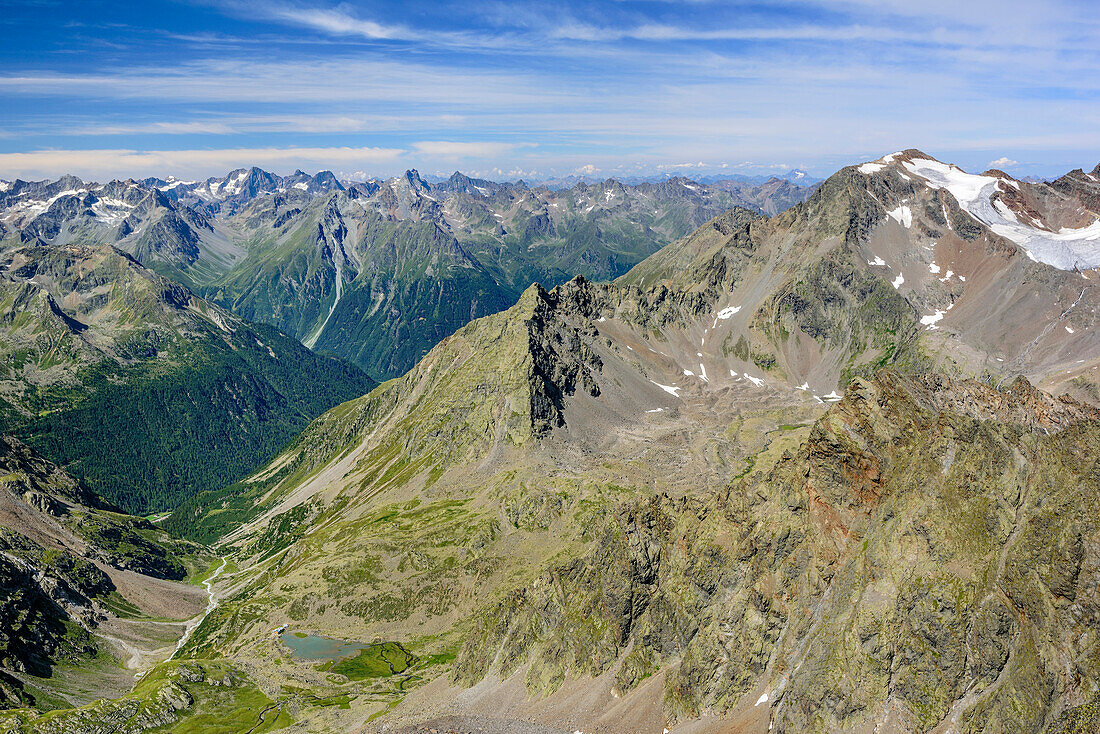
58	544
929	552
215	693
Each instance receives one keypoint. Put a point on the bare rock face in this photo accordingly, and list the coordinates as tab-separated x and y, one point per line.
920	554
562	361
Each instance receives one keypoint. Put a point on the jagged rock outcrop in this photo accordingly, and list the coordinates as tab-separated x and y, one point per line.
920	557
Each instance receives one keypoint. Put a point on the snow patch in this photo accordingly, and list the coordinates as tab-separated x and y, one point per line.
868	168
728	312
933	268
931	319
877	261
1069	330
1005	212
763	699
171	184
655	410
754	380
833	397
725	313
903	215
673	391
898	281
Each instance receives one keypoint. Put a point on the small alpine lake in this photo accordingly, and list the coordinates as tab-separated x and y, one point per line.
356	660
316	647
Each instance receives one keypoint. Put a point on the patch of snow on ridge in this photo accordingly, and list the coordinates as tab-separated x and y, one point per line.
1005	212
877	261
1067	249
898	281
931	319
673	391
725	313
763	699
903	215
868	168
172	183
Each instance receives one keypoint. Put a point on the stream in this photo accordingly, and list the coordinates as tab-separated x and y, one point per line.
211	604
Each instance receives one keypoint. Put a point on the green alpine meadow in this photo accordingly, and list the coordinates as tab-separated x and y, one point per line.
478	368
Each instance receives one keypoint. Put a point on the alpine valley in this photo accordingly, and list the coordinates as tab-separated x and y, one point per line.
305	454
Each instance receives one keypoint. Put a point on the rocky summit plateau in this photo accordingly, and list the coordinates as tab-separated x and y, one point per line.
311	454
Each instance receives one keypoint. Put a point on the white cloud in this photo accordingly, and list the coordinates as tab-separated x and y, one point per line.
586	170
234	124
661	32
335	80
102	164
156	128
457	149
339	22
1004	162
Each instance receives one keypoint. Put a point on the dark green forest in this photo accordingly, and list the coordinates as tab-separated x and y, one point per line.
147	437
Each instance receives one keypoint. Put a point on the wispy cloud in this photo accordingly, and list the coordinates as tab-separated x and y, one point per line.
337	21
155	128
449	149
330	80
231	124
125	163
517	86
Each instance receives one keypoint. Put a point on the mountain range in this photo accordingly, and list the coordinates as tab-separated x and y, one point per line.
824	468
376	272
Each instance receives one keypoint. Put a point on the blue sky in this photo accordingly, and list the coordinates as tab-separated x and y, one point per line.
509	89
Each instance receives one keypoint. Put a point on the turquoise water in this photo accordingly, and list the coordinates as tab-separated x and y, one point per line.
315	647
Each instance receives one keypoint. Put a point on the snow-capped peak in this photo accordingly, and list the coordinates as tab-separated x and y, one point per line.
1066	249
